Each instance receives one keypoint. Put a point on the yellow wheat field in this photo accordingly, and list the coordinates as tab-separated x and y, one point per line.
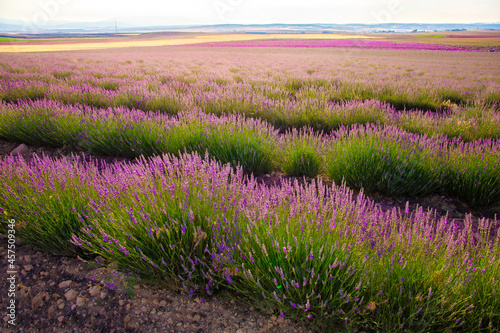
20	46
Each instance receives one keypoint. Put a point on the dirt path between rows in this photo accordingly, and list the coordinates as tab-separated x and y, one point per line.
59	294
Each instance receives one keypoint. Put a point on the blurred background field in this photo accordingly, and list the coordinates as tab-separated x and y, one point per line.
66	42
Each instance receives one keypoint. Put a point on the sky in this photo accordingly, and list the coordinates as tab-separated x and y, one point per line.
194	12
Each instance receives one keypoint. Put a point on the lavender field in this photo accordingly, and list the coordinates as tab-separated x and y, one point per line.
200	124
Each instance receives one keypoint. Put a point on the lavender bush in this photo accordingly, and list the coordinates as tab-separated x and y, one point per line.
386	159
301	251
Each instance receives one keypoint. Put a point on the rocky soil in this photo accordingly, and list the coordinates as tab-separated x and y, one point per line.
59	294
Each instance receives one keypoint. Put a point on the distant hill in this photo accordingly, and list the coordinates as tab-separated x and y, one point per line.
325	28
13	26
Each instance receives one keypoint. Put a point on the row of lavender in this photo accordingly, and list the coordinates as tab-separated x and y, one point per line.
381	158
456	107
470	123
300	251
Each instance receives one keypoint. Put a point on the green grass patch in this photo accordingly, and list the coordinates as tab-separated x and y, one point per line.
375	163
474	176
302	154
13	39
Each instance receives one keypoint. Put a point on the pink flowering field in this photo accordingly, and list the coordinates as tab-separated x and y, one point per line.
336	43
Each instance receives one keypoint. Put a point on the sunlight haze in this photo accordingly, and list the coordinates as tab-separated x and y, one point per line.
195	12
